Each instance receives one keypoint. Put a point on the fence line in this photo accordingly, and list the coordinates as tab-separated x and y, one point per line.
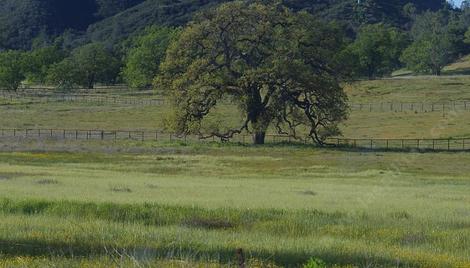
422	107
412	106
82	98
461	144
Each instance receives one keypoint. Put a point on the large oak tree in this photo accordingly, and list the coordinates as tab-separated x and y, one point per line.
277	66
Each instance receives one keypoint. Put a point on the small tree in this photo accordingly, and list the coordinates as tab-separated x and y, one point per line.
279	68
86	66
145	56
376	50
95	64
11	69
40	60
65	74
433	46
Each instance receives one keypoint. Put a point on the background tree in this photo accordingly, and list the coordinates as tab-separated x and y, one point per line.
376	50
145	56
40	60
279	67
96	64
11	69
88	65
65	74
433	46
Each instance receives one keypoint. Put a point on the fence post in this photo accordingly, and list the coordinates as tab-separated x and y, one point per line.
102	135
448	145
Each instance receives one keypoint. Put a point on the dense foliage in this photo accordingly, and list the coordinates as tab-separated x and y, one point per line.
376	50
21	21
85	67
144	57
11	69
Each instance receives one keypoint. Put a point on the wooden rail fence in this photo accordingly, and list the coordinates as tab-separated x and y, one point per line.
82	98
460	144
422	107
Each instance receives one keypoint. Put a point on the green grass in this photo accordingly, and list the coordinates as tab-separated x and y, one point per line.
172	204
282	204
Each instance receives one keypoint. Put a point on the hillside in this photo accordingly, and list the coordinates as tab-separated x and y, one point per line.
110	20
23	20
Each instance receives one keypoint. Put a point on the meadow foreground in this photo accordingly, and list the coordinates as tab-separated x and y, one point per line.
188	205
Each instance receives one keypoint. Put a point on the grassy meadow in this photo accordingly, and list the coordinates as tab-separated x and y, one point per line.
174	204
282	205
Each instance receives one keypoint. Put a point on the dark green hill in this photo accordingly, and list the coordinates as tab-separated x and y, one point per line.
23	20
110	20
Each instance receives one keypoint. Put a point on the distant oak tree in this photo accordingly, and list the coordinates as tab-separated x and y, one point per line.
12	66
277	66
376	50
90	64
433	44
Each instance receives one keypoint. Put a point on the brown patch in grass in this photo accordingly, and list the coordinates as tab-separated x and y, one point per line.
47	181
210	224
120	189
308	192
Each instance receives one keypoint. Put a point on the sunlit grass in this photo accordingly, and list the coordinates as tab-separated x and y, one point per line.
199	204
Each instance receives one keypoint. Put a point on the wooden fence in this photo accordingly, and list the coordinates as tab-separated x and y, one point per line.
81	98
38	97
422	107
461	144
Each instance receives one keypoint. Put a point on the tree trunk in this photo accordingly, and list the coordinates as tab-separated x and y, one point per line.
259	137
90	85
